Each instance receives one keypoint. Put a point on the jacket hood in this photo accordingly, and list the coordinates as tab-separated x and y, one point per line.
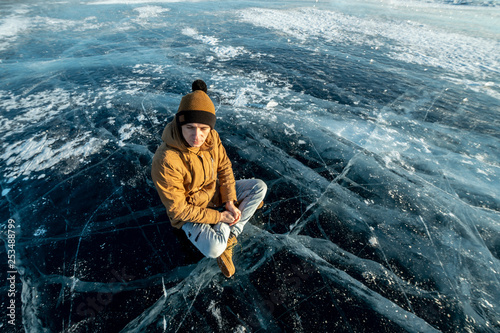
172	136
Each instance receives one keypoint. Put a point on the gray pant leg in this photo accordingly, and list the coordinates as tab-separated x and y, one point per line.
250	193
211	239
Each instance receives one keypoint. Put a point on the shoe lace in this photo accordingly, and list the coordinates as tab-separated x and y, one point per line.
232	245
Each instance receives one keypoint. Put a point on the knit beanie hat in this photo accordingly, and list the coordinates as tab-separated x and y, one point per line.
196	107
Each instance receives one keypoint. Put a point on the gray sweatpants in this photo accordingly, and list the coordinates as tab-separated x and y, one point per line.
211	239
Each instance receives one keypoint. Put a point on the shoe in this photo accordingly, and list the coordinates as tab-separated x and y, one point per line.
225	260
260	205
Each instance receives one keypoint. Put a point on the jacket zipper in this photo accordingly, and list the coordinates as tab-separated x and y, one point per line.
213	169
204	173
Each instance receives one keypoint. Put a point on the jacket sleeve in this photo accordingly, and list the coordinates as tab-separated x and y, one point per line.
225	174
169	182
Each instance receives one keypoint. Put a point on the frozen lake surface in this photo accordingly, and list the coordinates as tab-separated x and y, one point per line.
375	124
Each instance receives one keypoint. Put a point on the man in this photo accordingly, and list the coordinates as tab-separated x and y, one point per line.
194	177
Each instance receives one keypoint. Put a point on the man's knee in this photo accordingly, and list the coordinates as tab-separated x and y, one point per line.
261	187
215	251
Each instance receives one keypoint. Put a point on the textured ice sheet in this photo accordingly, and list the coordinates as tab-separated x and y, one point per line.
374	125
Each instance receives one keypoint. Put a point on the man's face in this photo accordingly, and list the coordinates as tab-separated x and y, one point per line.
195	134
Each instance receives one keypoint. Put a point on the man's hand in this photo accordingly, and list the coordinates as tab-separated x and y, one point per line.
231	215
227	217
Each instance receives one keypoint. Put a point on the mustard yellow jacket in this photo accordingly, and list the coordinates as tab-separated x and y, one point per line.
190	180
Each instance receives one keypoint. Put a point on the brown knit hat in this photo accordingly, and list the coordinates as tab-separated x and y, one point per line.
196	107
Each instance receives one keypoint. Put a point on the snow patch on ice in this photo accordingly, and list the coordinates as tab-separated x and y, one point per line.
223	53
10	28
406	41
150	11
271	104
41	231
258	92
38	153
193	33
149	69
487	87
373	241
52	24
126	132
290	129
216	312
37	107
